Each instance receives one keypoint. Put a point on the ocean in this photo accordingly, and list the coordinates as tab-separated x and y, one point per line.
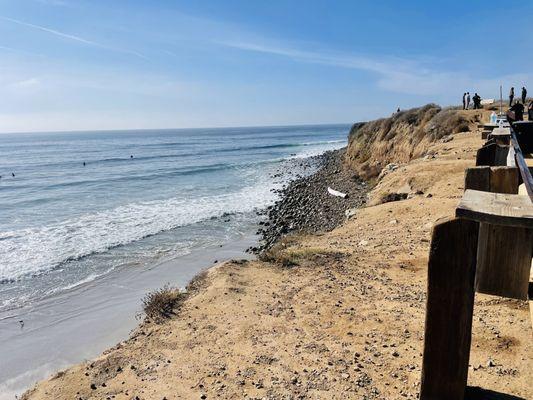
82	205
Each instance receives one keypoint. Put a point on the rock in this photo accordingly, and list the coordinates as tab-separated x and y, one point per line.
393	222
447	138
388	168
351	212
393	197
363	243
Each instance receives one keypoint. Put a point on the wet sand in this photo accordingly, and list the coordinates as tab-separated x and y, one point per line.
79	324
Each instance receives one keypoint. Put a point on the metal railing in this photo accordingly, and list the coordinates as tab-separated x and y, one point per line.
525	173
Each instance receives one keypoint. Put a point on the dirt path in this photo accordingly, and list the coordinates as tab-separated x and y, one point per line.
345	321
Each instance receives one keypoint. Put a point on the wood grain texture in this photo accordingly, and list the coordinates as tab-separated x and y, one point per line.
450	300
477	178
504	261
504	179
496	208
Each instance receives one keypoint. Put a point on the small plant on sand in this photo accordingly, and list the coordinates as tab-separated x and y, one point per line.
161	304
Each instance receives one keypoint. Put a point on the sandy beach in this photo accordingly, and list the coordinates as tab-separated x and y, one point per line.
330	315
81	323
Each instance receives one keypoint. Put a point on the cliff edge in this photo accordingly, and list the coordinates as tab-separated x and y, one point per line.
405	136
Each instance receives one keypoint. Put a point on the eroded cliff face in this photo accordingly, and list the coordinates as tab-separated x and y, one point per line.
405	136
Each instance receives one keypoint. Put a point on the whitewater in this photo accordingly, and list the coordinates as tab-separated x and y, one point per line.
83	204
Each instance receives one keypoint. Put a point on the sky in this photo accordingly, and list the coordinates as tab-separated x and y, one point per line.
117	64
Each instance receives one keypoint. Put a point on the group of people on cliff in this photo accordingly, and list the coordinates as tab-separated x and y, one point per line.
511	95
516	107
476	100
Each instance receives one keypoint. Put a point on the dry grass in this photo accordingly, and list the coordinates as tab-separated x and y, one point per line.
285	254
403	137
162	304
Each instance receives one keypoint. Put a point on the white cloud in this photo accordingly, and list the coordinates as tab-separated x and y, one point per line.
26	83
62	3
401	75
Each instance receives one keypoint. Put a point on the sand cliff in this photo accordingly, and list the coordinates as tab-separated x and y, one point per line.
405	136
346	319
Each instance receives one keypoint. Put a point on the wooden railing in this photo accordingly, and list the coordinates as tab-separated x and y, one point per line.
487	248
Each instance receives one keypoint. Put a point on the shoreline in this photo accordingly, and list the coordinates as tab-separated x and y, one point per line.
92	317
44	310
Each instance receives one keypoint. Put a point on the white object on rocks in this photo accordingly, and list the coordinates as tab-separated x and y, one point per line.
363	243
336	193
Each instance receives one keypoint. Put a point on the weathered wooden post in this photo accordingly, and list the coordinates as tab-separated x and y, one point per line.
492	154
504	256
449	308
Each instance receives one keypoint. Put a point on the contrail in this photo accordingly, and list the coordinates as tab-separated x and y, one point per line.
71	37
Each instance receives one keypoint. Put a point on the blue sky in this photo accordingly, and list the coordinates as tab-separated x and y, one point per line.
103	64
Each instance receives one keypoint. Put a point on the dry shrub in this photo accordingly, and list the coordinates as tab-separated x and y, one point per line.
274	253
198	282
447	122
161	304
389	197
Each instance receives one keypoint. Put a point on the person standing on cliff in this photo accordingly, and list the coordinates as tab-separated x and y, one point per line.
524	95
467	100
511	96
477	101
464	101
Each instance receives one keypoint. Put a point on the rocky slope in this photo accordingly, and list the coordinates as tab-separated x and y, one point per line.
305	206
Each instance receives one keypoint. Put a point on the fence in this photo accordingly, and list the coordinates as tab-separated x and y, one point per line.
487	248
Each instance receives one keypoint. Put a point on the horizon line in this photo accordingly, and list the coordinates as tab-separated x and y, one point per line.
171	129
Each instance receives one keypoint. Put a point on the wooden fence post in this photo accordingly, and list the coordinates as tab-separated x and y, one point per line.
477	178
449	308
504	261
504	257
492	154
